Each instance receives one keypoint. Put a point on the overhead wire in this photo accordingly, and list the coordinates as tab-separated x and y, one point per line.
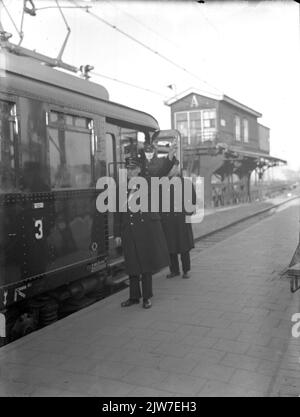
63	7
21	27
142	44
10	17
164	38
127	83
86	8
141	23
200	7
96	74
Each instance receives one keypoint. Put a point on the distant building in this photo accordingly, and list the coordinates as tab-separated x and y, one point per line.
222	142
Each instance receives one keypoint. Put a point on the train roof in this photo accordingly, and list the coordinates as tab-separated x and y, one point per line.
31	68
47	77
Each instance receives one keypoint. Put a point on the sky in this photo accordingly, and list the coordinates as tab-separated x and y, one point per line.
247	50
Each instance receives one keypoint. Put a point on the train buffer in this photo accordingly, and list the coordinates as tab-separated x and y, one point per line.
293	272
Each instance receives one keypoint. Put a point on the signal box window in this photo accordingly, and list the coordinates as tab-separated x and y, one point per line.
245	126
237	128
181	124
209	118
70	139
196	127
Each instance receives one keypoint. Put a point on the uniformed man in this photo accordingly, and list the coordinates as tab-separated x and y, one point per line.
152	165
179	234
144	245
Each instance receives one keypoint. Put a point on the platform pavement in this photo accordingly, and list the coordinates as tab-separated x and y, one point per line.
224	332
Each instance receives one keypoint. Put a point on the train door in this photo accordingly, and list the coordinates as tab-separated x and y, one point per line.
121	143
37	207
78	233
24	187
10	231
111	171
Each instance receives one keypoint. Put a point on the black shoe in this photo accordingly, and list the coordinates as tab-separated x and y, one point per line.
147	303
186	275
172	275
129	302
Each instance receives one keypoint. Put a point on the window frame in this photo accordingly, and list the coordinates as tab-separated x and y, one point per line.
237	128
14	128
63	127
246	129
202	118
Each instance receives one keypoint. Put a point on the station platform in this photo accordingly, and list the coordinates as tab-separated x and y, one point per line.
226	331
219	217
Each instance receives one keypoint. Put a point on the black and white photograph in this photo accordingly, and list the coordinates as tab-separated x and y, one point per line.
149	201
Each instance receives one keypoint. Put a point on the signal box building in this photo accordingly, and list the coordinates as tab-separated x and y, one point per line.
222	142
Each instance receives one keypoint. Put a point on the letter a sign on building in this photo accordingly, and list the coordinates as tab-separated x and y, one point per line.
194	102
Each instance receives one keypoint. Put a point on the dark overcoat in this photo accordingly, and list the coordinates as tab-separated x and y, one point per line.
143	241
157	167
179	234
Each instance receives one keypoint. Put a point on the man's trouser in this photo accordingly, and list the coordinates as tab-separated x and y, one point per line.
134	286
185	261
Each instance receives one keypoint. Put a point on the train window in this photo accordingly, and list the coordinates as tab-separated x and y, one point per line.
70	152
76	121
8	132
53	117
78	157
111	155
141	138
69	120
33	152
131	142
80	122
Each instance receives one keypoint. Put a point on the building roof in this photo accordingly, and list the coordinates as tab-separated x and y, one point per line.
241	106
192	90
218	97
264	126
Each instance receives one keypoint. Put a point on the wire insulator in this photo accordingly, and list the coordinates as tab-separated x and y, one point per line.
30	10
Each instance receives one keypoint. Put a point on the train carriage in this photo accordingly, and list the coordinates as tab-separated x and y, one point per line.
58	134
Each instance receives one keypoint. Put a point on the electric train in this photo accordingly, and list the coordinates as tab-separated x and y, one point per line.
59	134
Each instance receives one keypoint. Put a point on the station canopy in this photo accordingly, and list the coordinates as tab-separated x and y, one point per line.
235	152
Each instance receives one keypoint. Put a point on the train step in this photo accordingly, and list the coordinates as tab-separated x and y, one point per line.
117	280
